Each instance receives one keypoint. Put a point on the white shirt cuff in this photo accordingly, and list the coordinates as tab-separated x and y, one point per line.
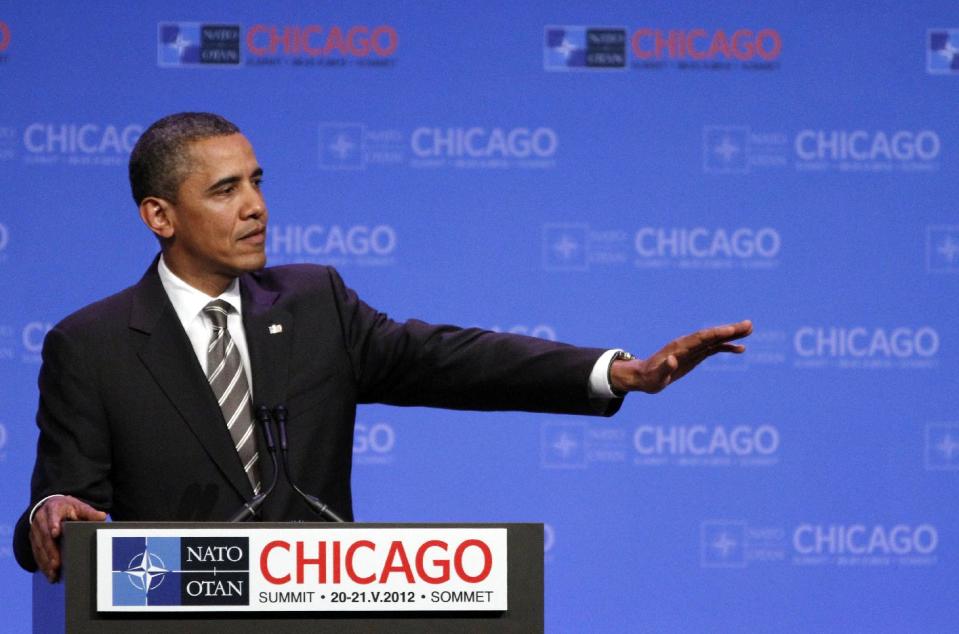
40	503
599	386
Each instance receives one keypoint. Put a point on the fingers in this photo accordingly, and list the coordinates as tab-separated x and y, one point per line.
87	513
48	525
45	549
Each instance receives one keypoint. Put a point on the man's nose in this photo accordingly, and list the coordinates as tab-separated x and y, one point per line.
254	205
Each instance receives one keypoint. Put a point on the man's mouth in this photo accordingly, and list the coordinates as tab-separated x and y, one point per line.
256	236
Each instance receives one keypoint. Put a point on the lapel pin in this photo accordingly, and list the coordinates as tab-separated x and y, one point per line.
276	329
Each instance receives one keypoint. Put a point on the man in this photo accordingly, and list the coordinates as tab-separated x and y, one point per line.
147	397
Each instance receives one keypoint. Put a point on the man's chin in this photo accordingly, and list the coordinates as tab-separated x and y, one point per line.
252	264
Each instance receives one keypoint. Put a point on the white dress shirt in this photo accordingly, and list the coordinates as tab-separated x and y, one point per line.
188	303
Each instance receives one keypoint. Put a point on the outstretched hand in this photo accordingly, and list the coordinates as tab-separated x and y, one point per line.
677	358
47	527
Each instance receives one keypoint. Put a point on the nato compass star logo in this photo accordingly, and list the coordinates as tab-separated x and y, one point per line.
565	247
722	544
942	249
563	445
942	446
146	571
195	44
584	48
942	55
725	149
341	146
164	571
142	567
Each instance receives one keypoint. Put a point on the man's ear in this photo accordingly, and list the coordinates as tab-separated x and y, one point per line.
157	215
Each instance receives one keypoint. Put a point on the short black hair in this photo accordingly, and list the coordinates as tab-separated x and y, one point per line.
160	160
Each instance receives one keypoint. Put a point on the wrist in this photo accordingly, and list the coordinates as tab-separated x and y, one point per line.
615	374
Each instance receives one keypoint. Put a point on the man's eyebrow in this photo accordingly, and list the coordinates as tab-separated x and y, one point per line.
231	180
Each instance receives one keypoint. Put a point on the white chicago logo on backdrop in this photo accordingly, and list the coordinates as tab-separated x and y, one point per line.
339	245
3	442
942	446
867	150
79	144
862	347
353	146
738	543
706	445
373	443
739	149
865	544
484	147
578	247
942	249
707	247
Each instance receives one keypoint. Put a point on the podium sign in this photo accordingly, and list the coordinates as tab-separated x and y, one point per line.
301	569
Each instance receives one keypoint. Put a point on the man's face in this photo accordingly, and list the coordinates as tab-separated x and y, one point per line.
219	219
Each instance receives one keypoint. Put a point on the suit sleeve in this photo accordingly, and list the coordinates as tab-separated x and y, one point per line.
415	363
73	449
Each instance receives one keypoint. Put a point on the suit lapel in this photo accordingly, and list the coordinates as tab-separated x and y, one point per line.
269	336
171	361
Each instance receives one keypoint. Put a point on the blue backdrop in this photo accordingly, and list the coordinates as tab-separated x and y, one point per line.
609	174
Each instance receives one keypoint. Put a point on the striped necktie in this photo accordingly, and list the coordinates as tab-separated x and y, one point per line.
231	389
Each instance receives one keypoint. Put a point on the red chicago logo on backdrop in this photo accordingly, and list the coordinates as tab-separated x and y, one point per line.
4	36
314	40
707	45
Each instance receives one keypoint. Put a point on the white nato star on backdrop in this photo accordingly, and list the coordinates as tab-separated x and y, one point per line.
949	249
566	246
949	446
727	149
342	146
566	48
180	43
724	544
565	444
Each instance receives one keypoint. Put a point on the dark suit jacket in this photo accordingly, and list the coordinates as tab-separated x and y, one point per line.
129	424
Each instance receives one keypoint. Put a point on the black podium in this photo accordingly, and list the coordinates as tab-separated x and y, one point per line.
71	606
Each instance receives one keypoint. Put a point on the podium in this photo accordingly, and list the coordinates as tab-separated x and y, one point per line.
510	556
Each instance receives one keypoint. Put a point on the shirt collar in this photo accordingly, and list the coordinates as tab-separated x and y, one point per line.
188	302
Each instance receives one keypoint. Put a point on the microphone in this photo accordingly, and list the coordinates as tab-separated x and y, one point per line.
319	507
250	508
